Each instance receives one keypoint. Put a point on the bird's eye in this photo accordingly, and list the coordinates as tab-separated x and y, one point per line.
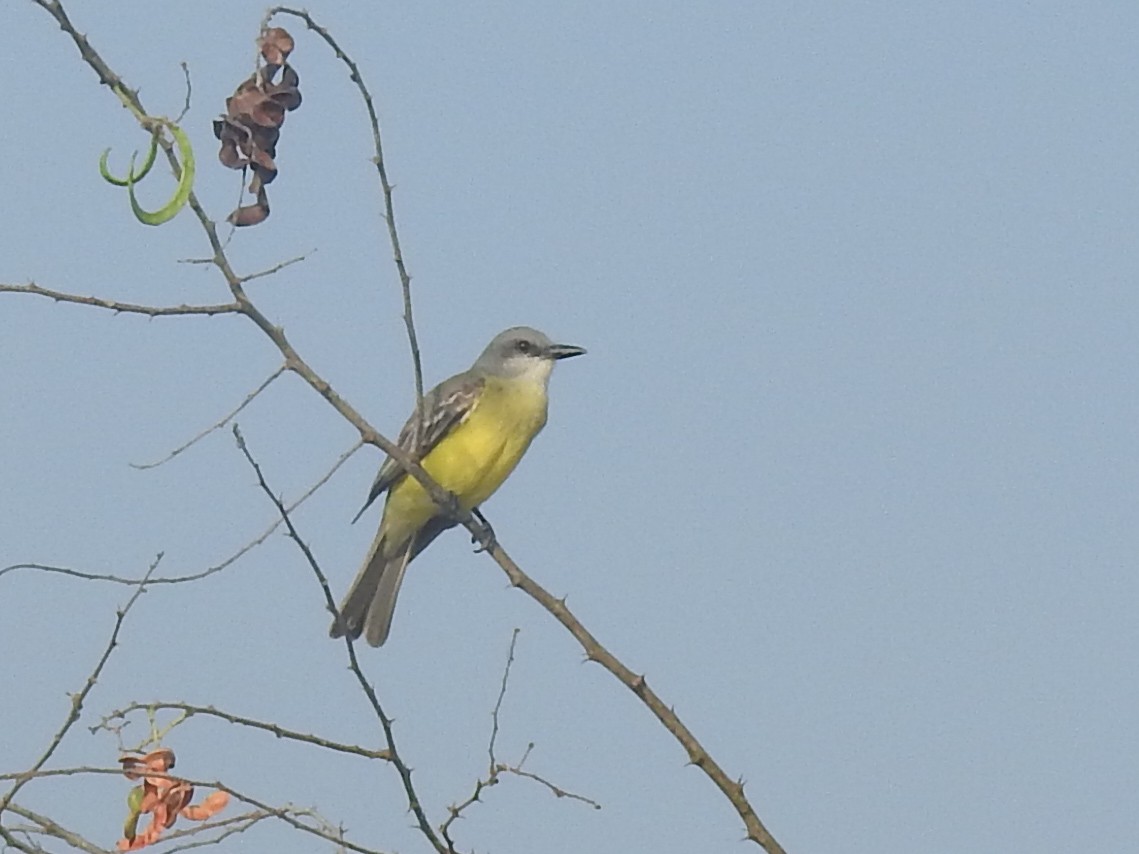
523	346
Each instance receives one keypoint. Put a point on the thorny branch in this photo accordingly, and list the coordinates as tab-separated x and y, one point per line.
50	827
121	307
188	711
385	184
228	826
78	698
287	814
556	791
354	665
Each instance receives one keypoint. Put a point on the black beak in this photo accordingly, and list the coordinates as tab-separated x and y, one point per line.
564	351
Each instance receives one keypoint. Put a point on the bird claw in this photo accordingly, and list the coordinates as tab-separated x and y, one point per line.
488	541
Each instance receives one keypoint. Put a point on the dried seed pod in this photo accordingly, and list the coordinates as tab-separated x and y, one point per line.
254	114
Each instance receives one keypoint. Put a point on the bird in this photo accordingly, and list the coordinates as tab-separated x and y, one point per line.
475	428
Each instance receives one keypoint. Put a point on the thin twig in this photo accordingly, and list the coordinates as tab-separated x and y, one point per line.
287	814
10	841
241	823
210	711
276	268
389	208
496	768
205	573
228	827
189	91
455	811
122	307
51	827
557	791
77	699
501	697
215	426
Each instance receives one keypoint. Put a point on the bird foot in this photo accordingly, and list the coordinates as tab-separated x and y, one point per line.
488	540
451	508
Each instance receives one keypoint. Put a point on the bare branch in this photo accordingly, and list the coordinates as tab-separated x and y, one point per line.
215	426
389	208
289	815
594	651
10	841
122	307
53	828
78	698
501	696
189	91
276	268
496	768
228	826
556	790
456	810
210	711
197	576
414	803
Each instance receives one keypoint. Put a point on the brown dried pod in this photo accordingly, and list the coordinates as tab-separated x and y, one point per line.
252	214
276	44
254	114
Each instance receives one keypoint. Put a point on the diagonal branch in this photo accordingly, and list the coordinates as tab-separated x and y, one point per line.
414	803
216	425
556	791
594	651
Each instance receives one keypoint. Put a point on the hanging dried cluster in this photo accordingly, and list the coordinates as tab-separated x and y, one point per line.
162	796
251	126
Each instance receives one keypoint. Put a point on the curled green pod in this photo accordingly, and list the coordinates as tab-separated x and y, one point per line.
185	178
105	171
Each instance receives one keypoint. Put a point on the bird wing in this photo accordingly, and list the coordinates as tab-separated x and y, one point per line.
446	406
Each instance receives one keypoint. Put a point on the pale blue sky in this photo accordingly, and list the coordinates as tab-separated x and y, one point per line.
849	471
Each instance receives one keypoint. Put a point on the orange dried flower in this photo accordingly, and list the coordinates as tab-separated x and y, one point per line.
162	796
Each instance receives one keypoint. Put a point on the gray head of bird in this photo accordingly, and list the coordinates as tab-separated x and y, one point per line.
523	353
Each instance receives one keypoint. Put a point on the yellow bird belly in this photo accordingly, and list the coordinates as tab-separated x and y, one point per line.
474	459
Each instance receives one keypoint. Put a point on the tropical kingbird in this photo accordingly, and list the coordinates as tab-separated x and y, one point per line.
474	429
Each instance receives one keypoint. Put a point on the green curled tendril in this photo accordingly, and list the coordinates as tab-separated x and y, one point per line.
185	181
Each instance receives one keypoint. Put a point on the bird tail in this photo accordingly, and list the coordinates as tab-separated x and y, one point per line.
370	600
368	607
